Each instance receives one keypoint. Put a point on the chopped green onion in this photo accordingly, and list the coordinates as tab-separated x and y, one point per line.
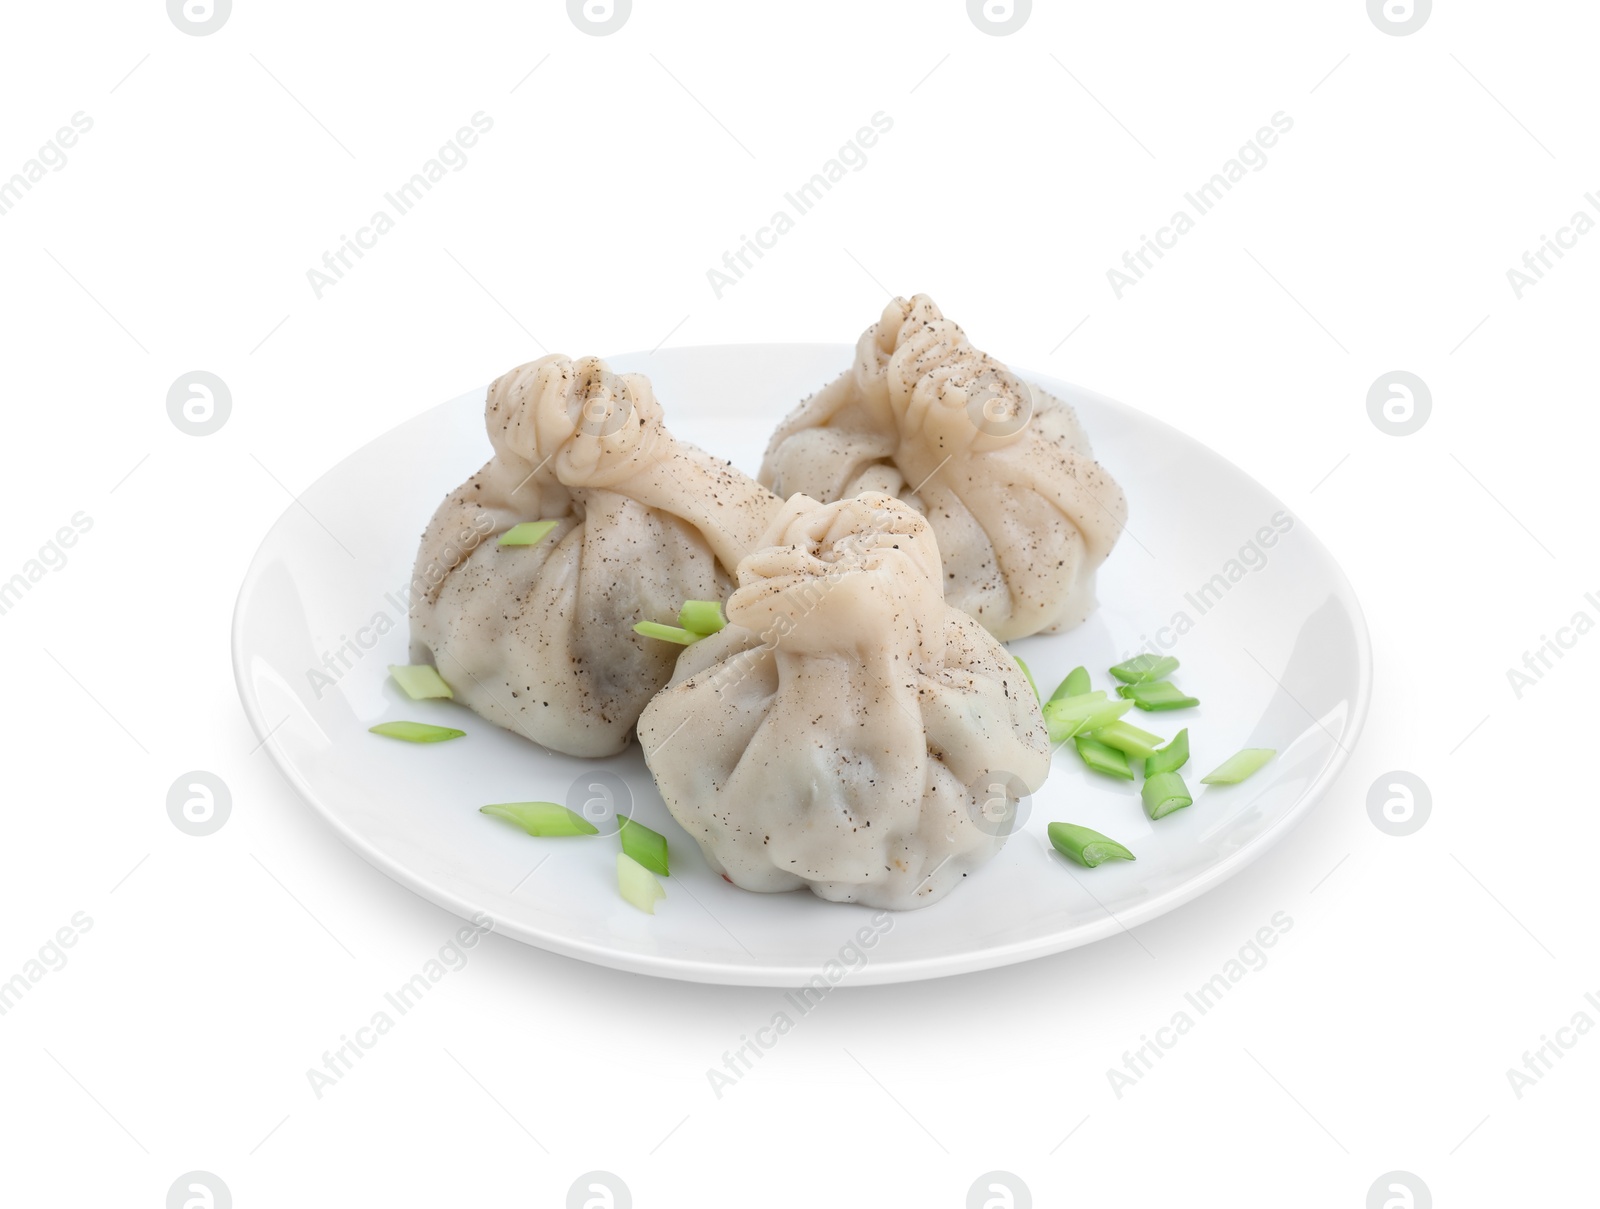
1171	757
1029	675
541	818
1164	793
1059	704
1145	667
1102	758
638	884
1075	685
702	617
1085	845
419	680
1239	766
1069	716
1157	695
1126	737
667	633
416	732
528	533
647	847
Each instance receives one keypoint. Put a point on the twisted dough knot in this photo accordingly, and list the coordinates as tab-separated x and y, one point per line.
920	370
589	426
821	563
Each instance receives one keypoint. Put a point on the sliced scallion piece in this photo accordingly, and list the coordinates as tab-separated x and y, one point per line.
702	617
1075	685
1126	737
1102	758
419	680
1157	695
667	633
1031	683
1171	757
416	732
541	818
647	847
1069	716
1164	793
1085	845
637	884
1060	704
1239	766
528	533
1145	667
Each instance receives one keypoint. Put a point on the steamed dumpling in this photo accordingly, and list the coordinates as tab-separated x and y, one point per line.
539	639
1004	473
849	731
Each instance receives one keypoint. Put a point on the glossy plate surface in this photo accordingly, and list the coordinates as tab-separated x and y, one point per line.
1212	568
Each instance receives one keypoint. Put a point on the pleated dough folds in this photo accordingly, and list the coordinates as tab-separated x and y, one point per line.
539	639
1004	473
848	732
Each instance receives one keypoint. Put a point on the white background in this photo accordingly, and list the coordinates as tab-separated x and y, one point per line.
1378	236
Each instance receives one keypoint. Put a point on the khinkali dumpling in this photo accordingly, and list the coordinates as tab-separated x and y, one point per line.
848	731
1004	473
539	638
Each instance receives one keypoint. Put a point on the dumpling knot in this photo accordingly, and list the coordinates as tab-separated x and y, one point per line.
821	565
937	389
590	426
1003	471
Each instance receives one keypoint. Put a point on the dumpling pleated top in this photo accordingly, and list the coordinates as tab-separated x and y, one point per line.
539	638
1003	471
848	732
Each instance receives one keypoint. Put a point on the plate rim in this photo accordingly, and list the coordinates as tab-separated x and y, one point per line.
767	974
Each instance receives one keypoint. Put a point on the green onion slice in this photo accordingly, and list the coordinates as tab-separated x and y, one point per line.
1031	683
1171	757
667	633
1102	758
1077	703
416	732
1067	717
1239	766
1145	667
1126	737
1157	695
638	884
419	680
541	818
1164	793
1075	685
647	847
702	617
1085	845
528	533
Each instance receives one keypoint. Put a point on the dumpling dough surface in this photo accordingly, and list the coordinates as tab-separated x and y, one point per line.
539	639
1003	471
848	732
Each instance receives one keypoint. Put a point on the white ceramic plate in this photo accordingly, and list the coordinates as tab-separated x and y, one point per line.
1271	638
